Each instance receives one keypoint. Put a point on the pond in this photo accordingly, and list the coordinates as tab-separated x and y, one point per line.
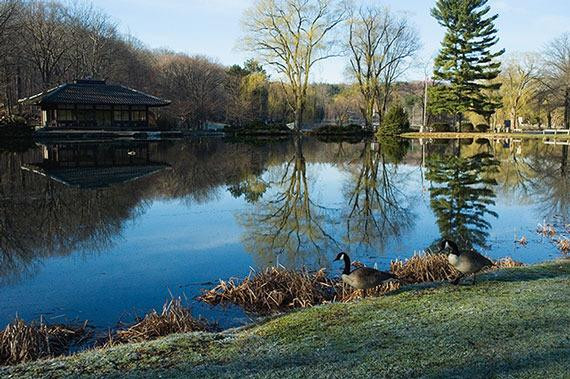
106	231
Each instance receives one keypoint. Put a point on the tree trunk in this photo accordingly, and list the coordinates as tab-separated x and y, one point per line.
299	114
549	120
567	108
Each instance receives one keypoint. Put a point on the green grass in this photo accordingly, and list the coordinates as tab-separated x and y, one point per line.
450	135
512	323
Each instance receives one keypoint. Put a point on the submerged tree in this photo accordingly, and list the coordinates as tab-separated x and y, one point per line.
291	36
465	64
461	194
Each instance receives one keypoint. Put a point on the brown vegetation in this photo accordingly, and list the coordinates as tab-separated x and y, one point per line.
279	289
174	318
274	289
22	342
563	245
546	230
424	268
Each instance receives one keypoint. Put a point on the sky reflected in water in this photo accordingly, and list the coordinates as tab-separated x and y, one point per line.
105	232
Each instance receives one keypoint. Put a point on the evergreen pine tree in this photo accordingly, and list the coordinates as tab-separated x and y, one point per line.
465	63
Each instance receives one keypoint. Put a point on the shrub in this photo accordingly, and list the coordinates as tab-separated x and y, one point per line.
441	127
467	127
335	129
14	126
483	128
395	121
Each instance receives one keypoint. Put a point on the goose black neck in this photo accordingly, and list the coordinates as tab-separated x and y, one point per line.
454	247
346	270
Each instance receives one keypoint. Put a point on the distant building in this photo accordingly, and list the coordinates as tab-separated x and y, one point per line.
94	104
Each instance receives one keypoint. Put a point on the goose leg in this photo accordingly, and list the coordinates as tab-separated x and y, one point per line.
456	281
363	294
474	275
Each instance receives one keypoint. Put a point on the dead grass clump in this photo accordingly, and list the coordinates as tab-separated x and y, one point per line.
546	230
174	318
507	262
563	245
21	342
423	268
274	289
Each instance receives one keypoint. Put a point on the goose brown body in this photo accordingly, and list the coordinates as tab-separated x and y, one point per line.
362	278
365	277
466	262
469	262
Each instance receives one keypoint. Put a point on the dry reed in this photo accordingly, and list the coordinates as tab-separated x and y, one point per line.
546	230
274	289
279	289
23	342
423	267
522	241
563	245
174	318
507	262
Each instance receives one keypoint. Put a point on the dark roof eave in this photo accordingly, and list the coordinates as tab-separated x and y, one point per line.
94	93
41	103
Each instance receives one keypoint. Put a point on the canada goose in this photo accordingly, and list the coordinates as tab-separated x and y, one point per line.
362	278
466	262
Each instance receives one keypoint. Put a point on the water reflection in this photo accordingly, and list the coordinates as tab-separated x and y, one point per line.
461	196
378	207
293	202
288	226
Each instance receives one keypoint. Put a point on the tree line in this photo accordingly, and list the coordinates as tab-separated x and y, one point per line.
44	43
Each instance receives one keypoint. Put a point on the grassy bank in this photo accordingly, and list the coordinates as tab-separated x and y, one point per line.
515	322
452	135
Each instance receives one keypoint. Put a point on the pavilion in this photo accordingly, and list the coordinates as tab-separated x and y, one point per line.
95	104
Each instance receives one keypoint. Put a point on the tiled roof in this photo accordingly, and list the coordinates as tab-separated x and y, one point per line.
95	92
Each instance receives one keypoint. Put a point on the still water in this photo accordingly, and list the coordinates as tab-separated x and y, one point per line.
106	231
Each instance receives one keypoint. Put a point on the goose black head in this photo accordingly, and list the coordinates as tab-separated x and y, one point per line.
343	256
340	256
448	245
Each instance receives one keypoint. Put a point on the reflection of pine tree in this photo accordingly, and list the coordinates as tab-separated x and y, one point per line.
461	194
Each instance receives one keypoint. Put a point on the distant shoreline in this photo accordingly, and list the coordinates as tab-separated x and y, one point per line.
454	135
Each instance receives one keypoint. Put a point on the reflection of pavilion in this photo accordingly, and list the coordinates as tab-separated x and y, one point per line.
96	165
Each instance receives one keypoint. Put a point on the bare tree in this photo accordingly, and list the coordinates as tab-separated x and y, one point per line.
8	26
381	45
520	77
196	86
292	36
49	40
94	34
557	57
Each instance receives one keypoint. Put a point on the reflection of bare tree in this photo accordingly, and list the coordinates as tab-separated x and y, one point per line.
377	208
289	223
551	185
537	173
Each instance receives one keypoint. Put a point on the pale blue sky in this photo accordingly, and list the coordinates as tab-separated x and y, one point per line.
212	27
